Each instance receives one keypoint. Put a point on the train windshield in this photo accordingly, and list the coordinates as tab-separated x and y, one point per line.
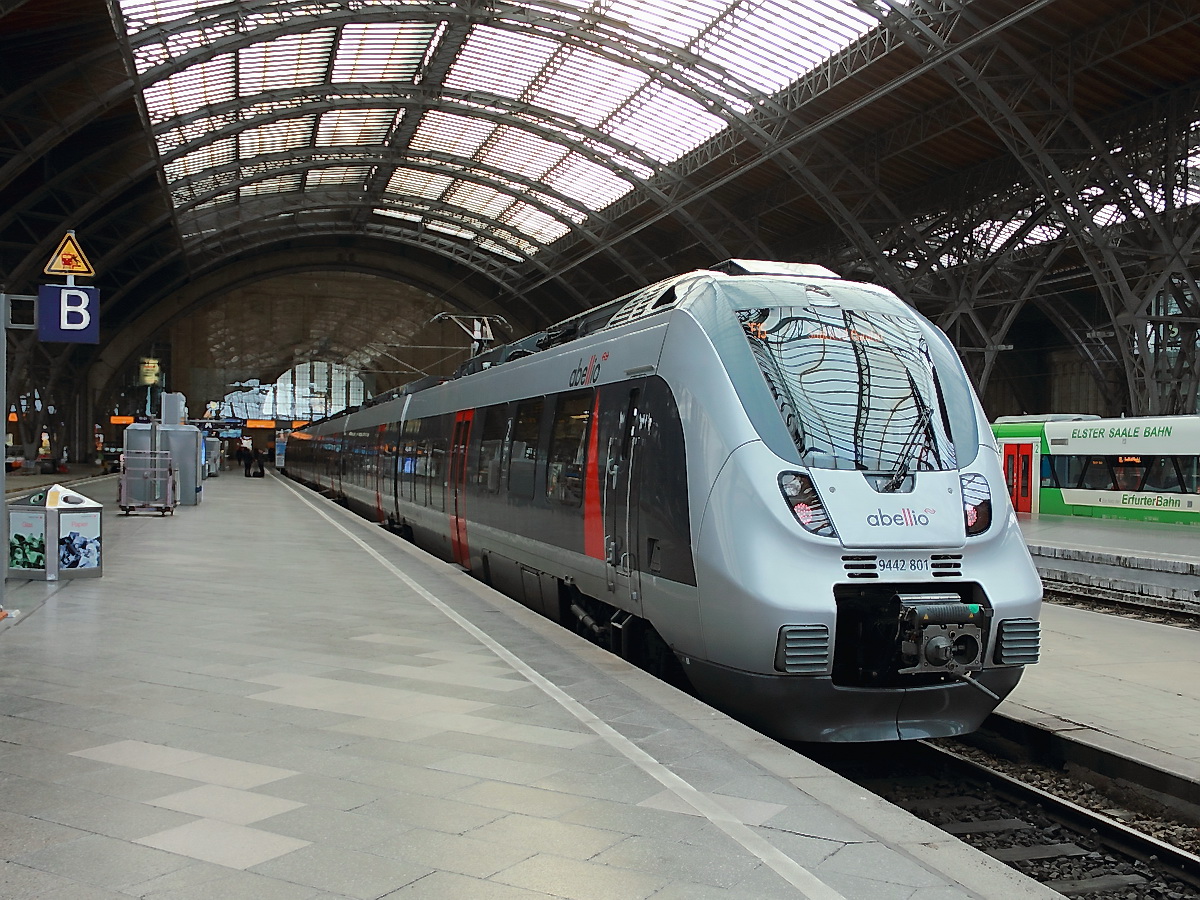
857	385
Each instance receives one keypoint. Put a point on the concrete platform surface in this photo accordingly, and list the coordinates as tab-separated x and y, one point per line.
266	697
1119	684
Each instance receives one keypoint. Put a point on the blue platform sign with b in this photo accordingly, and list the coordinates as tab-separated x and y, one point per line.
68	314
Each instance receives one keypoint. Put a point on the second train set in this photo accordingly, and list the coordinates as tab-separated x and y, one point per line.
774	483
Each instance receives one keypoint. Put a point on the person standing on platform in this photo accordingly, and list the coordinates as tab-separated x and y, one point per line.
248	458
258	461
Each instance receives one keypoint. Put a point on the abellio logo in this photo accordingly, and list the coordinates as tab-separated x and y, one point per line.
906	518
588	373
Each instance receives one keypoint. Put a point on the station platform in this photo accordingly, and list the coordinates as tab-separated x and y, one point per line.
1115	560
267	697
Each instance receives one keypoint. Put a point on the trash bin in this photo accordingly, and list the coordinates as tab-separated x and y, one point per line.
54	534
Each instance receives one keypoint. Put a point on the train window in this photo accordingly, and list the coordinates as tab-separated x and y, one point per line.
1067	471
1129	472
1162	476
436	468
568	448
1189	471
492	434
521	453
1098	476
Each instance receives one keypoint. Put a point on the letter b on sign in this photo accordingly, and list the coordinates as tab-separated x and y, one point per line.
68	314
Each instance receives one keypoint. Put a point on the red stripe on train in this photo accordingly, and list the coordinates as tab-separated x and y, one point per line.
593	512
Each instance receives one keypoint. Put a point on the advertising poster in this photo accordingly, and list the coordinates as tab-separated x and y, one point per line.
26	541
79	546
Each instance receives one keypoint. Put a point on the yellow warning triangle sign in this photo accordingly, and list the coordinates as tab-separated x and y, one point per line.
68	259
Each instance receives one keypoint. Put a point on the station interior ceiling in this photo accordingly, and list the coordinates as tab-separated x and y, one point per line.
264	183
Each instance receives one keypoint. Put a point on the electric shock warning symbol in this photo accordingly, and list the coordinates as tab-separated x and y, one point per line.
68	259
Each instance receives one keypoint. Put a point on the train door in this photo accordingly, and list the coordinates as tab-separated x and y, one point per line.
621	489
457	487
1018	475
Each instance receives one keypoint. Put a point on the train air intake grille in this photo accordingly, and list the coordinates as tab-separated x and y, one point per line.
803	650
945	565
1019	642
860	566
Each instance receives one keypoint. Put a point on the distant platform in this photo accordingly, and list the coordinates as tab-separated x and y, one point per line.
1117	560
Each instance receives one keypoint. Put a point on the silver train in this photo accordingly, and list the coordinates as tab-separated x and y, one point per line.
767	481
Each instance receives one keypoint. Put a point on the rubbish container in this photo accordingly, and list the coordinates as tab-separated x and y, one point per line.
54	534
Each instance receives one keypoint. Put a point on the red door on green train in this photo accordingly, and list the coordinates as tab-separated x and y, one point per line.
1018	475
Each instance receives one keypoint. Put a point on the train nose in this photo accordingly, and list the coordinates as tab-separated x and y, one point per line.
928	516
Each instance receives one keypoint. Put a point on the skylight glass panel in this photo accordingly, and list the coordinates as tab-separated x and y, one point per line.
275	137
197	86
531	221
587	87
492	247
591	184
414	183
179	43
513	150
207	187
276	185
218	153
666	125
141	13
290	60
499	62
354	127
196	130
675	22
379	51
397	214
452	134
486	201
452	230
339	175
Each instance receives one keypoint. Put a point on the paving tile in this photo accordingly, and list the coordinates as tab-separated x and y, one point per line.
465	855
544	835
226	804
451	886
576	880
344	872
103	861
521	799
679	861
139	755
335	828
438	814
232	773
25	834
225	844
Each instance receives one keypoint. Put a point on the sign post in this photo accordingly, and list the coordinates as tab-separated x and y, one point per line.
64	313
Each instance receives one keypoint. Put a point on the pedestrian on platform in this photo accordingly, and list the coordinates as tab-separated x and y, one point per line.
258	461
247	459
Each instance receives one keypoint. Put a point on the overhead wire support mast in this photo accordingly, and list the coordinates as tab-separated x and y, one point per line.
479	330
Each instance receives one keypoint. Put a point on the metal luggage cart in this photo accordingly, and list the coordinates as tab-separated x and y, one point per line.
147	482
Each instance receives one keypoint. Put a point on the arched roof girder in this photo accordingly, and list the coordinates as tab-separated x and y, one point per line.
122	348
262	213
654	59
623	160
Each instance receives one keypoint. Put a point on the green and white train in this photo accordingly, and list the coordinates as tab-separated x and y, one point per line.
1145	469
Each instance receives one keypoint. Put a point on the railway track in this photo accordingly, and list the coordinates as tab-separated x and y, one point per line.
1069	848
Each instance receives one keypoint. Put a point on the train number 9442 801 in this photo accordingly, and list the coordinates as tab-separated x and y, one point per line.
903	564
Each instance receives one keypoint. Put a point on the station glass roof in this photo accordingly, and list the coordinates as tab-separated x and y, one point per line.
500	125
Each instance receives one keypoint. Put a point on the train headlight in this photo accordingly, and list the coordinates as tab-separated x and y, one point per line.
977	503
805	503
